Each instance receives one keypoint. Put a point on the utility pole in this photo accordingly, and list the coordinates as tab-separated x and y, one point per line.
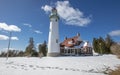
9	44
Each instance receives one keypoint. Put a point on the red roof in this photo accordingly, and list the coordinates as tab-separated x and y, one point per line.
71	42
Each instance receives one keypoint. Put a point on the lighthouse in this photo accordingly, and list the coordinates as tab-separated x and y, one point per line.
53	40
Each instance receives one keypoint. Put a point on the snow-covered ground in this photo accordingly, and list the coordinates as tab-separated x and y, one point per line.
82	65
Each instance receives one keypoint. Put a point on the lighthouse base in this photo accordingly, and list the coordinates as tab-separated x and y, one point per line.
53	54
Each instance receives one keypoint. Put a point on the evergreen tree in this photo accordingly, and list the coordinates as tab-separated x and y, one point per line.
30	49
108	43
95	45
20	53
102	46
43	48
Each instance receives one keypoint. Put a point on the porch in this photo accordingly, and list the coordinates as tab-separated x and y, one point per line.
76	52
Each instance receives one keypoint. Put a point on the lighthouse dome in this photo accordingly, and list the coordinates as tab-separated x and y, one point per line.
54	13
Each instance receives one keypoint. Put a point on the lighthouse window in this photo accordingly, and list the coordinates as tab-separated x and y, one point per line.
56	40
56	20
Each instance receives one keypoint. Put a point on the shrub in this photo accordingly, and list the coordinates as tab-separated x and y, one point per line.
115	49
115	72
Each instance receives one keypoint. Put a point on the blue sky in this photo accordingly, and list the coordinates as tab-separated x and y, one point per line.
30	18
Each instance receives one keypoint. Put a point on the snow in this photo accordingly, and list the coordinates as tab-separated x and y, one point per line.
69	65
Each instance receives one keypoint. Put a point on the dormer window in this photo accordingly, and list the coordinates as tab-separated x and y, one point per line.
70	42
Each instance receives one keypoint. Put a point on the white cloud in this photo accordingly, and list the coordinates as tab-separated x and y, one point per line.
4	37
115	33
37	31
7	27
46	8
14	38
29	25
71	16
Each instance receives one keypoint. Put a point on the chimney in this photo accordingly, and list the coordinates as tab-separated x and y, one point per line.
78	34
65	38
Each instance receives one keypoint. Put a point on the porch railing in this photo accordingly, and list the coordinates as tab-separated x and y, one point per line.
76	51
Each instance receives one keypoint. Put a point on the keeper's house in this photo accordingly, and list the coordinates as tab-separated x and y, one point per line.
75	46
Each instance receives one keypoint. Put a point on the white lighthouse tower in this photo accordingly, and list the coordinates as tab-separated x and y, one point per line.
53	40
